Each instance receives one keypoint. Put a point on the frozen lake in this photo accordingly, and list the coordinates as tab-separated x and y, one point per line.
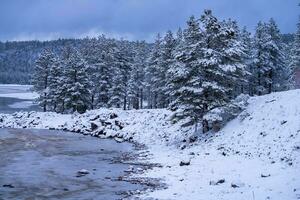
14	98
43	164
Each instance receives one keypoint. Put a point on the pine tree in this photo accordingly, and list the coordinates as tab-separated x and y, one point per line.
104	71
41	78
245	38
186	78
153	74
262	66
280	72
295	64
217	67
90	52
76	82
233	55
136	83
56	86
222	68
270	61
167	61
121	67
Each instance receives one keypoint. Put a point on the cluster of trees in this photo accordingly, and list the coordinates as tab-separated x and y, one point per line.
202	67
101	73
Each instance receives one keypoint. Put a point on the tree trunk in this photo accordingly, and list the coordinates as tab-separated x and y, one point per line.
141	99
205	127
125	102
270	84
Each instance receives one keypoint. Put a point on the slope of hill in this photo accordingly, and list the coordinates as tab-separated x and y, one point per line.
256	156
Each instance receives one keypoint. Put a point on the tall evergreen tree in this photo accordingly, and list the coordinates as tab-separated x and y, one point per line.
153	74
295	64
279	73
76	82
136	83
186	78
41	78
217	66
121	68
233	54
262	67
104	71
270	70
90	51
56	86
167	61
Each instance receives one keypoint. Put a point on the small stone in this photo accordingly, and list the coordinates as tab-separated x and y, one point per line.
265	175
119	140
183	146
221	181
8	186
283	122
82	172
185	162
93	126
113	116
193	139
237	184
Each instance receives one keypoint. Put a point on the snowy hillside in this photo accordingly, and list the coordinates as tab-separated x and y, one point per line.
255	156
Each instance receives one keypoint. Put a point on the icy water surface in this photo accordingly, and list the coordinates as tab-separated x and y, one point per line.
14	104
42	164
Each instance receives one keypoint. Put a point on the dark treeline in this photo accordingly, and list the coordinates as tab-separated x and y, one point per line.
200	68
17	59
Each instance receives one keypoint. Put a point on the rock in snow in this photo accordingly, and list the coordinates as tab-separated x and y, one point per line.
185	162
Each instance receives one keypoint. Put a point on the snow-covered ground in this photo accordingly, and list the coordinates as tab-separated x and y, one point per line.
255	156
17	91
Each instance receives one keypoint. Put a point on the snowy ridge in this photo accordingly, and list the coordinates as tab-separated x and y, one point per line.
255	156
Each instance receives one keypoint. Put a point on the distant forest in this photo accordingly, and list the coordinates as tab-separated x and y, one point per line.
17	59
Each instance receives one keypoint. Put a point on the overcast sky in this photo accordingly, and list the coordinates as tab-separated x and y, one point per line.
130	19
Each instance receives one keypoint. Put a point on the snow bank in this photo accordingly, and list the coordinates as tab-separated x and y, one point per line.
143	126
256	155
